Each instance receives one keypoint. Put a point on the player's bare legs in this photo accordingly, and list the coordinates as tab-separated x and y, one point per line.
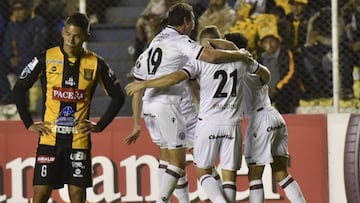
210	185
77	194
285	180
41	193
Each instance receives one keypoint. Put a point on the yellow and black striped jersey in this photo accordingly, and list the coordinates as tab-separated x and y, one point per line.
68	85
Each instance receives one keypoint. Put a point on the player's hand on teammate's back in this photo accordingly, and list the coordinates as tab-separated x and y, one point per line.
133	87
40	128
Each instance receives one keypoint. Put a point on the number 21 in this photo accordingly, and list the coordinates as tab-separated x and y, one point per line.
224	77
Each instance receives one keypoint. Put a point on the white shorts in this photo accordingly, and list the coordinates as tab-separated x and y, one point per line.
190	121
213	140
266	136
165	124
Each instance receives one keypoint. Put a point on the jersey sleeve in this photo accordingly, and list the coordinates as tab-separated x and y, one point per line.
189	47
32	71
253	67
140	70
113	88
190	69
27	78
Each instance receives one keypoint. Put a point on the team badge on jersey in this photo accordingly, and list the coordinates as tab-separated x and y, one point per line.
88	74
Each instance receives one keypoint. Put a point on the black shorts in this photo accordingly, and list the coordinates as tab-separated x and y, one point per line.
57	166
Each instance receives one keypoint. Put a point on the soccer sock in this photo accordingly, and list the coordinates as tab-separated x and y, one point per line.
161	171
256	191
292	190
212	189
182	190
217	177
229	191
169	181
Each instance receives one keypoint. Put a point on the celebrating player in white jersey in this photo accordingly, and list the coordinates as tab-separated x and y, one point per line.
218	130
169	51
266	140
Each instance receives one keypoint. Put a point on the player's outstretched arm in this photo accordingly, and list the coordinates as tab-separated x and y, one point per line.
211	55
161	82
222	44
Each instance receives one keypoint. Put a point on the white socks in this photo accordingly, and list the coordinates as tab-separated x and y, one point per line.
229	188
169	181
292	190
256	191
212	189
182	190
217	177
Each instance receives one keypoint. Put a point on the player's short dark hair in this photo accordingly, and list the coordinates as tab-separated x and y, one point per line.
178	12
79	20
238	39
210	31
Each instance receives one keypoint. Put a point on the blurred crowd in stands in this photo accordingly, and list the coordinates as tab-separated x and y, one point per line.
293	38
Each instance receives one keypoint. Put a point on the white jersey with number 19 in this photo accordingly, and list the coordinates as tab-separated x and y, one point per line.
169	51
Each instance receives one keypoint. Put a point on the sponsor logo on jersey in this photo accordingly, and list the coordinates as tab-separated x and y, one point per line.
45	159
70	81
88	74
66	117
28	68
54	61
53	70
111	73
68	94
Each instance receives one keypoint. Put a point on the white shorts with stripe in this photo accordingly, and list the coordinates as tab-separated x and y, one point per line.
213	140
266	136
165	124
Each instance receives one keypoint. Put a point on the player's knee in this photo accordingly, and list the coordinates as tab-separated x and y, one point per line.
255	172
228	175
41	194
